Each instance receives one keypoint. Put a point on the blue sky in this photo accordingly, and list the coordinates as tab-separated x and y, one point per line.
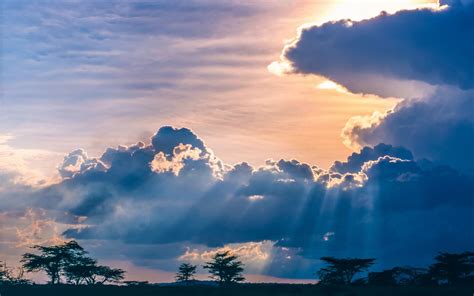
284	132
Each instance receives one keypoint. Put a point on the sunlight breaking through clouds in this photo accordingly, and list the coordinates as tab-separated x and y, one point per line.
277	217
109	75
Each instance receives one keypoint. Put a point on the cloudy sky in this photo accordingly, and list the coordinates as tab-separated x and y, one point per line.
158	132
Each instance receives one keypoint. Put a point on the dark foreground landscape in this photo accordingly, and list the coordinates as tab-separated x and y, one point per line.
242	289
71	272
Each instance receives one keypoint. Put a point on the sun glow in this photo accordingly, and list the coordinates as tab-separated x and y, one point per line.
330	85
358	10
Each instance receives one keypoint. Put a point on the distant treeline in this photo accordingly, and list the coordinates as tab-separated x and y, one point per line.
69	263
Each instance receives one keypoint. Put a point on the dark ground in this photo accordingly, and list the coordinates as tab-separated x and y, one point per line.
244	289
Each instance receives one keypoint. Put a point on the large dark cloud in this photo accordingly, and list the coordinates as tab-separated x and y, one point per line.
424	54
440	128
434	47
380	202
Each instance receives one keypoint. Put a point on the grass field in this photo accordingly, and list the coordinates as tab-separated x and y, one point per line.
244	289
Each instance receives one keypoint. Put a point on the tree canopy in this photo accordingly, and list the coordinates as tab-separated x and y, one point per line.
453	268
69	260
342	271
53	259
225	268
186	272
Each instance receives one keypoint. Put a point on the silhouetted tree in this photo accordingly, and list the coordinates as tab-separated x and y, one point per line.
105	274
70	260
342	271
186	273
225	268
86	271
53	259
399	276
453	268
82	271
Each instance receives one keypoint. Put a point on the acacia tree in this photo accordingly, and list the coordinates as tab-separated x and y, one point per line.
71	261
86	271
186	273
452	267
82	271
225	268
342	271
53	259
104	274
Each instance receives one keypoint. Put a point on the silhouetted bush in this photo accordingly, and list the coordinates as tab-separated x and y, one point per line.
342	271
400	276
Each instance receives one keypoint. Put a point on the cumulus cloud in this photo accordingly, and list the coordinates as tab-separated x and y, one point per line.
286	211
419	48
355	161
280	217
78	161
167	138
161	164
424	56
440	128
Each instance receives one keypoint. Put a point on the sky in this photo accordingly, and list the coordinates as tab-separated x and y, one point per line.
158	132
